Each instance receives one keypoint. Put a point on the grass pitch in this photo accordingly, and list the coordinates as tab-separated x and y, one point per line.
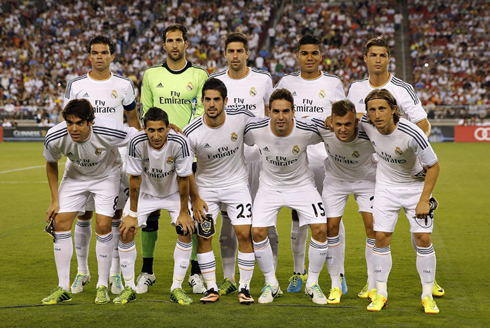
460	238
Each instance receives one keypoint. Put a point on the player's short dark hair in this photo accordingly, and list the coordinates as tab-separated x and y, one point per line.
282	94
156	114
342	107
236	37
388	97
215	84
309	39
81	108
175	27
100	39
377	42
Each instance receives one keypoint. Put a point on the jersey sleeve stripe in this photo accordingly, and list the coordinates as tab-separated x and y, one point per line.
180	140
414	134
109	132
68	88
127	79
217	74
407	87
331	75
135	141
191	128
306	127
56	135
363	135
256	70
256	125
239	111
319	123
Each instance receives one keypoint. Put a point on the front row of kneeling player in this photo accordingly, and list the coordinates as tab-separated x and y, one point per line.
160	168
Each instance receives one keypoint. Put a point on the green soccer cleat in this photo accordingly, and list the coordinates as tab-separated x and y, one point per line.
372	294
227	287
102	295
58	295
335	296
437	291
379	302
127	295
80	281
429	305
179	296
364	292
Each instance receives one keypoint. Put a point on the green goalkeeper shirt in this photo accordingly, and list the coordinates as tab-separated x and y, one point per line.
174	92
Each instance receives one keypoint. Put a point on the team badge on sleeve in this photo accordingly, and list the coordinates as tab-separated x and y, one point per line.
398	151
253	92
114	94
234	137
295	149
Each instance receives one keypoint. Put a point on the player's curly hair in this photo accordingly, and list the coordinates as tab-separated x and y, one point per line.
237	37
388	97
342	107
81	108
282	94
215	84
100	39
175	27
156	114
377	42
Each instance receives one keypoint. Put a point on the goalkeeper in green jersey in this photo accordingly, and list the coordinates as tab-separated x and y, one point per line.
175	87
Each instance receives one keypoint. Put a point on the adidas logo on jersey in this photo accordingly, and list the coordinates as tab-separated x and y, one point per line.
294	93
266	149
160	85
207	146
361	101
86	95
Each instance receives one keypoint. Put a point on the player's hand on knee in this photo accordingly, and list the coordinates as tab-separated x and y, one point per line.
422	209
52	211
186	222
199	209
128	227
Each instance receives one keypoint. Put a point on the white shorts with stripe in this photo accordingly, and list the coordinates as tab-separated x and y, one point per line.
305	200
388	201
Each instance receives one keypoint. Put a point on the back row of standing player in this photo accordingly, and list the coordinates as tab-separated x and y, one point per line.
313	92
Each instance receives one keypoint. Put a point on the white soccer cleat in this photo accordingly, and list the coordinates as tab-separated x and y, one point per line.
143	281
116	284
269	292
80	281
315	292
197	283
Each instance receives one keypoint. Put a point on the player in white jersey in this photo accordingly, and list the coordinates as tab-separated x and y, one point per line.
403	150
286	180
112	96
314	92
159	165
94	169
377	56
216	139
248	89
349	169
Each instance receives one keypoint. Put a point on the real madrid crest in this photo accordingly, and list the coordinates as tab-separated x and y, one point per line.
253	92
295	149
190	86
170	160
398	151
98	151
356	154
322	94
114	94
234	136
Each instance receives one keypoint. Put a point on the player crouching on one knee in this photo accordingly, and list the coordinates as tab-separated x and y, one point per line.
159	164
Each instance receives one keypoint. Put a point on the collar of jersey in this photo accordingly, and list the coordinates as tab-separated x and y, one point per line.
188	65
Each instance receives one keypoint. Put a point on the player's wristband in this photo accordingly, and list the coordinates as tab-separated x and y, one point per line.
133	214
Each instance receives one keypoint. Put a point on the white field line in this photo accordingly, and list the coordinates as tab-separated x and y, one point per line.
25	168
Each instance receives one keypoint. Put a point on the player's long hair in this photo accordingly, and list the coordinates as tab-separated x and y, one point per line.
156	114
388	97
81	108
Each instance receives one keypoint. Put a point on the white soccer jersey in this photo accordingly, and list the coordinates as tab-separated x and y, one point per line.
401	154
284	161
251	92
95	158
219	151
406	98
159	168
109	98
313	98
351	161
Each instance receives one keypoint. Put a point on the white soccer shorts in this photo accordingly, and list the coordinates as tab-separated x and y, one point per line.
236	200
305	200
336	193
388	201
74	193
147	204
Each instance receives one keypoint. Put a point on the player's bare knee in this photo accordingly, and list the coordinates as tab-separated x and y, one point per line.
383	239
184	239
103	224
64	221
129	237
204	245
319	232
422	239
259	234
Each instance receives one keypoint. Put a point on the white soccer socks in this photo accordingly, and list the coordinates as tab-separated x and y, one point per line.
246	264
103	250
182	256
63	251
334	259
317	254
274	241
207	264
382	264
83	233
298	245
115	264
228	245
263	255
127	254
426	266
369	262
